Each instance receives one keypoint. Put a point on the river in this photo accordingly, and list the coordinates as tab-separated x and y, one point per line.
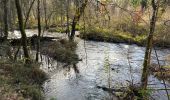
118	63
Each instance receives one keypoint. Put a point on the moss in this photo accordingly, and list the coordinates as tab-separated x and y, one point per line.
23	80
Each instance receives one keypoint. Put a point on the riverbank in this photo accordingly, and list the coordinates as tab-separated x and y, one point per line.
129	34
20	81
117	37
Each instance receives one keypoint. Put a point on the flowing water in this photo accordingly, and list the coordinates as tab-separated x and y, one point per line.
125	65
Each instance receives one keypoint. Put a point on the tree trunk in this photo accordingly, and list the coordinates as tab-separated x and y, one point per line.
23	34
79	12
67	14
5	19
39	30
146	64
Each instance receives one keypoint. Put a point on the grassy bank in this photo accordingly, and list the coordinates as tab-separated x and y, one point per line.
62	50
115	37
119	33
124	32
20	81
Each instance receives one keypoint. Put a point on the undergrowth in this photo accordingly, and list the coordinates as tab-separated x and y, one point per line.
20	81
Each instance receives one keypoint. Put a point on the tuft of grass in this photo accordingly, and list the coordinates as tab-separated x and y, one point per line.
62	50
21	80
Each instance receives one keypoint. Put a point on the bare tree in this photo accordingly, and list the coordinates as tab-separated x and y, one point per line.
22	29
146	64
39	29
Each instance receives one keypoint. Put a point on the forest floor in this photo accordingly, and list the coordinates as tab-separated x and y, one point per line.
20	81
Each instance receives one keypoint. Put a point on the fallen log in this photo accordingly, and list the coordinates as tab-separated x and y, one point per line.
110	90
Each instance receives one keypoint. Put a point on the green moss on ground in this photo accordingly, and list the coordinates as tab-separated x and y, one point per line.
20	81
